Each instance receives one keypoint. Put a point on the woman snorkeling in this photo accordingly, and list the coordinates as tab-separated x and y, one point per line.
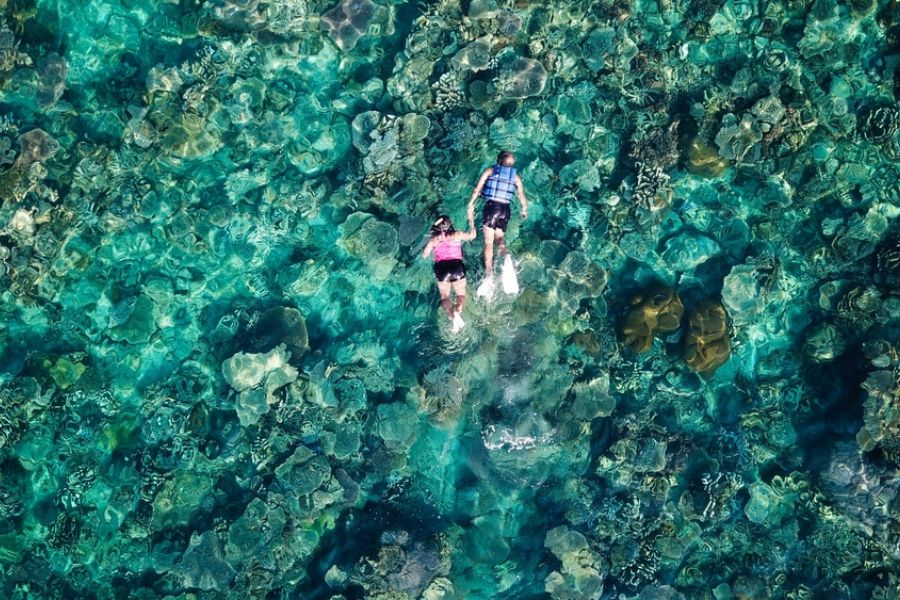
449	269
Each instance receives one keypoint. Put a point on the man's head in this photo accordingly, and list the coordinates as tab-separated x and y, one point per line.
507	159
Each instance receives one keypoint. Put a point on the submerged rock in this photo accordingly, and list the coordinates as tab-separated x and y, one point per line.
390	145
320	144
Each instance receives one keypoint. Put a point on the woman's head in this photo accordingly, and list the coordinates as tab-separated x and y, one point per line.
505	158
443	224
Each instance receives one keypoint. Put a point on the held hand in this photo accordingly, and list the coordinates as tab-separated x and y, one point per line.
524	213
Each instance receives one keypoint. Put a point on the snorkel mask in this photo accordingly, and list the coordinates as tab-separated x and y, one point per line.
443	225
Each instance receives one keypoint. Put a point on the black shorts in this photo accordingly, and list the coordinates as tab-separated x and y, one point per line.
495	215
449	270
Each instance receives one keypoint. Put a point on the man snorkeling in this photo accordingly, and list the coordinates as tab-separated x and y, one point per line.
497	185
449	269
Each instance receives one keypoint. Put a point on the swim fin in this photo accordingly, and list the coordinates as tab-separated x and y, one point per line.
508	276
486	287
458	323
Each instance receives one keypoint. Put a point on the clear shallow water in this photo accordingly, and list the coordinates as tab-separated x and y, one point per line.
224	374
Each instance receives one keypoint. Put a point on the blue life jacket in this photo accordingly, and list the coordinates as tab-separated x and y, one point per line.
500	185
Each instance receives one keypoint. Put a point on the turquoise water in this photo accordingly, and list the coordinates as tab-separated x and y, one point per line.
223	368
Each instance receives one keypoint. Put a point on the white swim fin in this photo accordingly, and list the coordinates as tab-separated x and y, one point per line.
458	323
509	277
486	287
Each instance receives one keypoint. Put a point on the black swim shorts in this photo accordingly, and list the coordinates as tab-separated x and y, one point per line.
449	270
495	215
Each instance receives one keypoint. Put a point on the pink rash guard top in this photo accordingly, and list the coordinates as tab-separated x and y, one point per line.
448	249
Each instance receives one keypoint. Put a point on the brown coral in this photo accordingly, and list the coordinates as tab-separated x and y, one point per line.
658	310
706	345
704	160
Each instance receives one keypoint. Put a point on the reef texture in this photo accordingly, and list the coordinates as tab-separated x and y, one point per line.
224	373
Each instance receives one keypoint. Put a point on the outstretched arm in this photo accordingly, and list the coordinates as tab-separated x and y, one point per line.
472	233
428	248
521	190
478	187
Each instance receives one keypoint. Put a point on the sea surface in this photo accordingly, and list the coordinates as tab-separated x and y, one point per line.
224	371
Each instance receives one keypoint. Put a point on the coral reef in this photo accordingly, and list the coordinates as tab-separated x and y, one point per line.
520	77
655	311
706	343
582	571
348	21
224	374
203	565
240	14
881	419
256	378
879	124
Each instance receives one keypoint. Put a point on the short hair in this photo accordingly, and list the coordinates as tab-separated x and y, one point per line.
503	156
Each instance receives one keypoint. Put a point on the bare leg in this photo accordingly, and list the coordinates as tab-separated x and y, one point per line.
460	288
488	250
501	241
446	304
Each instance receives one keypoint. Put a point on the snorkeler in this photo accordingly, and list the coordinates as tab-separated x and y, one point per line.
497	185
449	269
